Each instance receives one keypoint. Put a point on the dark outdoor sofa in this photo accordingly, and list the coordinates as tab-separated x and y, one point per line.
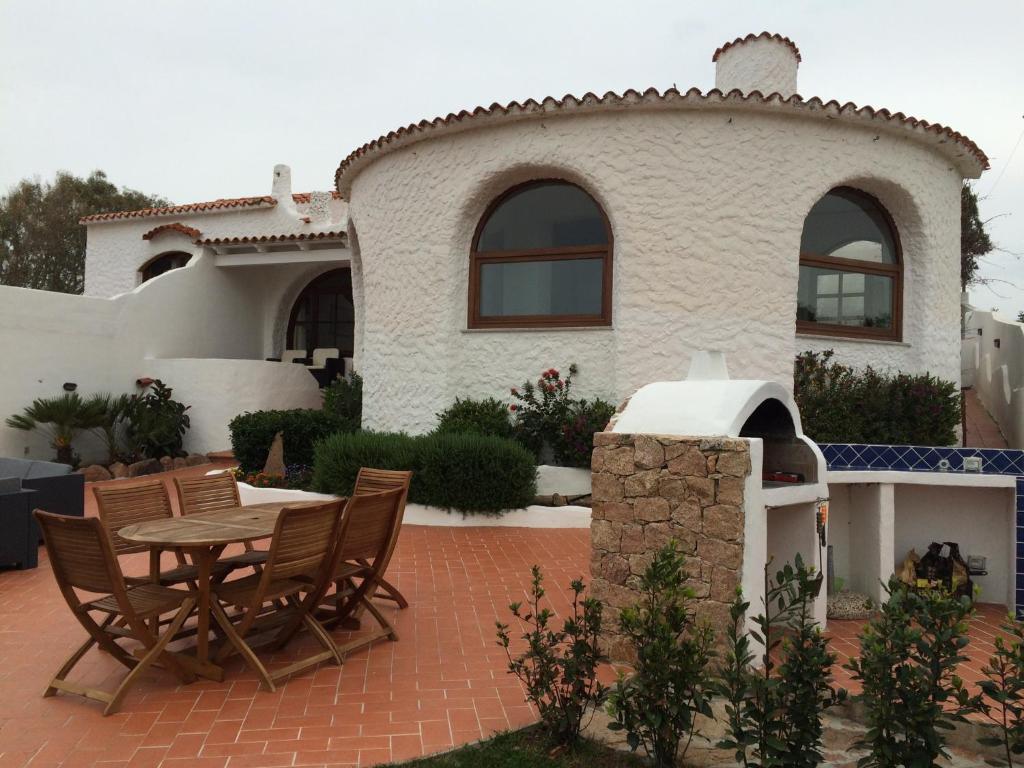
26	485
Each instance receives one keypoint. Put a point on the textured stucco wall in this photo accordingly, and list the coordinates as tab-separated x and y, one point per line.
706	208
997	372
764	64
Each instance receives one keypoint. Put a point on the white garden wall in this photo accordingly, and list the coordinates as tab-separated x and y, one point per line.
706	208
997	372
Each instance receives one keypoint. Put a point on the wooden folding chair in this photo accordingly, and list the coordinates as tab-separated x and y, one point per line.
301	559
374	481
83	559
211	494
365	541
123	505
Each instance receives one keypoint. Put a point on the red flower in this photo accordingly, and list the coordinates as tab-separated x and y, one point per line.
554	373
512	407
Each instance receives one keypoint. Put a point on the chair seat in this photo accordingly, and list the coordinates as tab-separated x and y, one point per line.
245	560
240	591
146	600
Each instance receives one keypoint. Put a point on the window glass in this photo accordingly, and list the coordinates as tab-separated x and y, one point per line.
565	287
552	215
845	224
165	263
828	295
323	315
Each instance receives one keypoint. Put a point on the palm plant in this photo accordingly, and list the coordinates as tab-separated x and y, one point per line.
112	416
60	419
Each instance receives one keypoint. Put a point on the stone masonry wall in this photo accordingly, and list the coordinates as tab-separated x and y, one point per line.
648	490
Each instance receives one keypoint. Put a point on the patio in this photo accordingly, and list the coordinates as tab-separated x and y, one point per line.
443	684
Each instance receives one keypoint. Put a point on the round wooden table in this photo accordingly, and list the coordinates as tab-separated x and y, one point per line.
204	536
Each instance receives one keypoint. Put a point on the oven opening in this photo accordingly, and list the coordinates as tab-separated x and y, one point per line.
788	460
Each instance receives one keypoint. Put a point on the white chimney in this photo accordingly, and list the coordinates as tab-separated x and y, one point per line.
282	186
764	62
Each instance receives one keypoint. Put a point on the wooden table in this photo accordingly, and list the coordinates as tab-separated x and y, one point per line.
204	537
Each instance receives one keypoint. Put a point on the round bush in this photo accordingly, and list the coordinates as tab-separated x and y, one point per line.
337	459
252	434
476	417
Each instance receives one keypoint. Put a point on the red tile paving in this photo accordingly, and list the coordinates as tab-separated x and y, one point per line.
982	430
443	683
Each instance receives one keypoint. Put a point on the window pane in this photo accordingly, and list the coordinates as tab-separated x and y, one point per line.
845	298
848	225
544	216
566	287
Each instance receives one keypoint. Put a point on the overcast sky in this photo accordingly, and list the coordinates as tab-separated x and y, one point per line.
198	100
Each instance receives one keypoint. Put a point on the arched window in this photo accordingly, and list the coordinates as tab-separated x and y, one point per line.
542	256
323	316
163	263
851	272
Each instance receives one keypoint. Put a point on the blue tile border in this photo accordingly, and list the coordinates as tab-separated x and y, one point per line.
862	457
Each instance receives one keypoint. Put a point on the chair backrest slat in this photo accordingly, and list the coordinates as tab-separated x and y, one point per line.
369	525
125	505
80	553
303	539
370	480
211	493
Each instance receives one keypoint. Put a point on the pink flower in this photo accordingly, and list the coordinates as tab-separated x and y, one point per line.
554	373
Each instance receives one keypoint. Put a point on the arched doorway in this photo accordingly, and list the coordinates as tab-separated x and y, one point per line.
323	315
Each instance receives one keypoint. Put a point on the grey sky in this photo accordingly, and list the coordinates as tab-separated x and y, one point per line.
198	100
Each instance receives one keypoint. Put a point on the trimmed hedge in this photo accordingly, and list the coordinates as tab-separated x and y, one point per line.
476	417
841	405
470	473
252	434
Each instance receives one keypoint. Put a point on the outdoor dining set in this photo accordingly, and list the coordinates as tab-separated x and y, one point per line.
325	562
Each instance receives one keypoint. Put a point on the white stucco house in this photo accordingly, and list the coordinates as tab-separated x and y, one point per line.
461	255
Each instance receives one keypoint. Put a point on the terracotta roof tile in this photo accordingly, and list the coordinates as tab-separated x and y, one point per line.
761	36
213	205
177	226
653	99
294	237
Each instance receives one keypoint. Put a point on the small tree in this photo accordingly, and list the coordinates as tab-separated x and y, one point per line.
907	670
559	667
1002	691
658	705
61	419
974	240
156	423
774	718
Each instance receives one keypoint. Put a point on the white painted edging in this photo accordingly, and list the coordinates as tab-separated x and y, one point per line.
418	514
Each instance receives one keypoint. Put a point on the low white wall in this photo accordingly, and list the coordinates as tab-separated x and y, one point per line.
567	481
998	372
219	390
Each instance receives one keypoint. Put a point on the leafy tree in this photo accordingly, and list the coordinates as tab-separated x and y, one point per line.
42	245
974	240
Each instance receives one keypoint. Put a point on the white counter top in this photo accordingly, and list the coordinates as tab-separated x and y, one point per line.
949	479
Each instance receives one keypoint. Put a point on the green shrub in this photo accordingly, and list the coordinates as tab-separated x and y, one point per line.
657	707
559	667
840	405
476	417
252	434
156	423
907	670
344	399
575	443
470	473
337	459
1002	691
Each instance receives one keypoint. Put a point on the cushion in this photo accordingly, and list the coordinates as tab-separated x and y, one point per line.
40	469
14	467
9	485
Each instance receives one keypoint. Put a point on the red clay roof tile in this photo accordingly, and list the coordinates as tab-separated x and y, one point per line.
761	36
221	203
177	226
245	239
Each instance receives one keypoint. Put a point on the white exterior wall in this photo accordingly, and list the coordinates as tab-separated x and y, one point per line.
763	64
997	373
116	251
707	209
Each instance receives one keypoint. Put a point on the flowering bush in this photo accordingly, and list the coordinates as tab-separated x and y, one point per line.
576	442
296	477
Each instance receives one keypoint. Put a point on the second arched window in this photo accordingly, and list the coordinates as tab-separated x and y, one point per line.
542	257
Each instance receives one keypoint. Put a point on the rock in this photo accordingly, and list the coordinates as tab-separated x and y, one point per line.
648	453
557	500
144	467
723	521
94	473
607	487
179	462
118	469
196	460
274	466
849	605
167	463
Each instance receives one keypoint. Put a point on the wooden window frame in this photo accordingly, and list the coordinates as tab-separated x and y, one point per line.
894	271
480	258
307	291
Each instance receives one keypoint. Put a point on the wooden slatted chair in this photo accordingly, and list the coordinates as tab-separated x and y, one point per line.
82	558
123	505
300	560
374	481
211	494
365	542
